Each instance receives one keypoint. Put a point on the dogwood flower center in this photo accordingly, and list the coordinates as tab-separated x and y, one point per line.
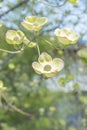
16	38
47	68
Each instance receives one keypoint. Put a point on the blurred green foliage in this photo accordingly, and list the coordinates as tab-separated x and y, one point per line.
50	109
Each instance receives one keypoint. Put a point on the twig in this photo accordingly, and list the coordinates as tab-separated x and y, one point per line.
14	107
6	60
13	8
12	52
52	5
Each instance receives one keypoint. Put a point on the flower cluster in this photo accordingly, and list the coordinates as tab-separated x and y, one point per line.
45	66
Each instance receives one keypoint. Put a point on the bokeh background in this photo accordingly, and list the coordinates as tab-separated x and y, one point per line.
58	103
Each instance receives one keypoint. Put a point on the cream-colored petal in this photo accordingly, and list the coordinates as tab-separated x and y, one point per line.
31	19
20	33
27	25
37	67
76	36
37	28
10	34
82	53
26	40
50	74
44	58
12	37
73	38
42	21
58	64
64	40
57	32
9	41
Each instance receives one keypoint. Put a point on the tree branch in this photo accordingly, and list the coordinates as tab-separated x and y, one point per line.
14	107
13	8
52	5
6	60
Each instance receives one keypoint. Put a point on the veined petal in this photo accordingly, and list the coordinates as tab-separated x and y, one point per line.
57	32
37	67
10	34
64	40
14	37
20	33
76	37
44	57
66	36
31	19
27	25
42	21
82	53
58	64
50	74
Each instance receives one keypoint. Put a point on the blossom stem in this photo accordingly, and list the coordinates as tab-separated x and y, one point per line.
52	45
38	49
52	5
0	101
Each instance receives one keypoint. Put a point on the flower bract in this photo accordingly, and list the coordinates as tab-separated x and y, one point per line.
34	23
66	36
47	66
16	37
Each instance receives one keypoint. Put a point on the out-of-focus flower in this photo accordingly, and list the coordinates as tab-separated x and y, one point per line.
34	23
66	36
41	110
47	66
16	37
52	109
0	24
73	1
11	66
2	89
82	53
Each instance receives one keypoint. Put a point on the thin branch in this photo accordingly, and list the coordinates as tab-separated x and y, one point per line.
14	107
52	5
13	8
6	60
12	52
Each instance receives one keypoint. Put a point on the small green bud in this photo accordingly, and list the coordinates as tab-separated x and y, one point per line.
2	89
11	66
